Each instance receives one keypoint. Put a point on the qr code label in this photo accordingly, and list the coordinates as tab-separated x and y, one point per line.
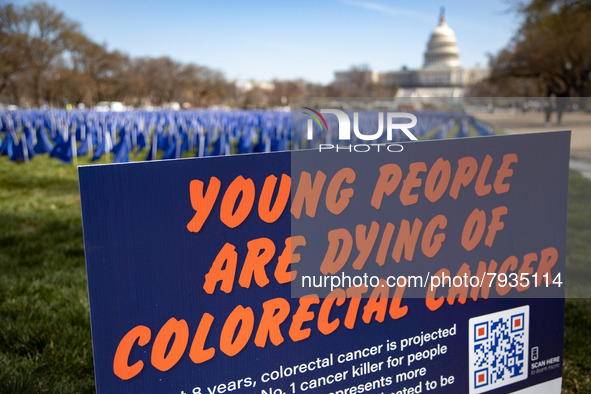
499	346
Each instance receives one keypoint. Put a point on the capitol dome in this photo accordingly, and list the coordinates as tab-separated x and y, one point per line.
442	49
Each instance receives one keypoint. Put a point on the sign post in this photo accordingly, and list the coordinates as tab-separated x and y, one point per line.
435	268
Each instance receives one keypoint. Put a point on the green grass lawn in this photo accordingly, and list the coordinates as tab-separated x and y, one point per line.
45	343
577	344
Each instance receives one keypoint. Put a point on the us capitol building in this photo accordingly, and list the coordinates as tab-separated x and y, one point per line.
441	74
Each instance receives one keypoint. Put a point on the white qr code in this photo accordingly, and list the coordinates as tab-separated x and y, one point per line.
499	348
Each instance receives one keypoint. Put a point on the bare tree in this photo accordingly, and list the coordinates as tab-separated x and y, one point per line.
49	34
99	74
45	58
14	51
552	47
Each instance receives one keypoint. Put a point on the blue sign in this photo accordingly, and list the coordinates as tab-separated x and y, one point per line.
438	267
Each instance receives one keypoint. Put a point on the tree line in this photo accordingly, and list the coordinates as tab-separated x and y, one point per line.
46	60
550	54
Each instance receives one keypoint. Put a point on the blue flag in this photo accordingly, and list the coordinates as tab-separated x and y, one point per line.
171	152
105	146
86	145
43	145
62	150
18	152
141	141
122	155
7	146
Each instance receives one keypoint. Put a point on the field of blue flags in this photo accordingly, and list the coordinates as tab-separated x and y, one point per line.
158	135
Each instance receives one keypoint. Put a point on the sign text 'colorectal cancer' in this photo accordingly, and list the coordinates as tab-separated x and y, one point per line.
276	319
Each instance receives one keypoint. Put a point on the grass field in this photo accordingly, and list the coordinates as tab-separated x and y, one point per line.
577	344
45	343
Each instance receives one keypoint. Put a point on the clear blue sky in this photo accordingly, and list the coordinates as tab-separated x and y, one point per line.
283	39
